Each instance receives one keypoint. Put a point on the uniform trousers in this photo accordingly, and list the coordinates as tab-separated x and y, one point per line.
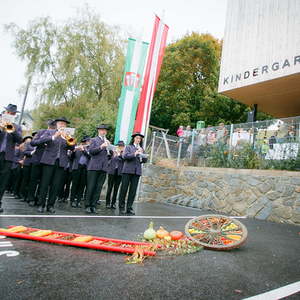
25	181
5	167
113	184
95	181
78	183
51	179
35	179
130	181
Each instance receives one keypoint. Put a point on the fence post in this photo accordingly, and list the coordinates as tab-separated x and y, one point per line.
179	152
152	147
231	135
192	144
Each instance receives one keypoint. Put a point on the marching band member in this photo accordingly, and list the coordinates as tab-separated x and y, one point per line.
36	169
17	170
26	167
133	158
114	172
79	171
54	160
10	135
97	168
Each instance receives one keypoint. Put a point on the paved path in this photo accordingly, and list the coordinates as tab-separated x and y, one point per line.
269	260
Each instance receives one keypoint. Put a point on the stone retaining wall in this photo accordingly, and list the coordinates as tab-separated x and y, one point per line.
263	194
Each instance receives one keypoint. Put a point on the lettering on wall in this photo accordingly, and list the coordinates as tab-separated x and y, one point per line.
259	71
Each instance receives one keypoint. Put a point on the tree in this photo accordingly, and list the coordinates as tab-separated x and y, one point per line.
187	86
76	69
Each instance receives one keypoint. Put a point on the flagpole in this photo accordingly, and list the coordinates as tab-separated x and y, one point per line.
150	108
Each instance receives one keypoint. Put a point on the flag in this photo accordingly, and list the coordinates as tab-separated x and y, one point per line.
131	88
155	57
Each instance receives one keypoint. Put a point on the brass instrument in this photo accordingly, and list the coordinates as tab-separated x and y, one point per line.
6	124
9	127
71	141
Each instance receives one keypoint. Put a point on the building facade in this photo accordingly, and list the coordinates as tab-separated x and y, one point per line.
261	55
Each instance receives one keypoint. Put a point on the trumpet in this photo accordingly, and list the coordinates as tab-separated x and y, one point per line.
8	127
71	141
7	123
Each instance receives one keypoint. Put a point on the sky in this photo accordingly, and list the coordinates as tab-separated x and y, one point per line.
135	17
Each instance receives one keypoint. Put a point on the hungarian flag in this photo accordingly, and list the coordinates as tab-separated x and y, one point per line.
154	62
131	89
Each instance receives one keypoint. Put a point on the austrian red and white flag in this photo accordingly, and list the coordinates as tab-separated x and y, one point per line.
154	62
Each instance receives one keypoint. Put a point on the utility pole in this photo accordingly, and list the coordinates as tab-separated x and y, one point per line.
24	100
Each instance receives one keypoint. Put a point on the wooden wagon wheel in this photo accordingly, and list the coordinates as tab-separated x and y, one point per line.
216	232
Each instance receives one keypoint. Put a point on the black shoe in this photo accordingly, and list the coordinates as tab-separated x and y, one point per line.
122	211
40	209
1	210
130	212
51	210
73	204
17	196
31	203
93	210
113	206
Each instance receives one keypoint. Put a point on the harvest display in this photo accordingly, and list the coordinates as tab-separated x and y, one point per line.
77	240
216	232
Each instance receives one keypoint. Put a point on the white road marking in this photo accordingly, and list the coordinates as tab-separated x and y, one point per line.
108	217
279	293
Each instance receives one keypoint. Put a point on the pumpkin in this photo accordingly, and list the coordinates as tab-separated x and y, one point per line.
161	233
176	235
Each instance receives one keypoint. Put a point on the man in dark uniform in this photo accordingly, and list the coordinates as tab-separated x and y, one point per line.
36	169
54	160
26	167
17	170
115	166
97	168
79	172
8	140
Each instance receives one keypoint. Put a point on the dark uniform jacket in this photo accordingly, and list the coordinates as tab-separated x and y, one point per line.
39	148
77	156
28	154
54	149
18	156
11	140
99	157
115	163
132	163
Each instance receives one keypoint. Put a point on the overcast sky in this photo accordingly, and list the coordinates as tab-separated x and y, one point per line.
134	16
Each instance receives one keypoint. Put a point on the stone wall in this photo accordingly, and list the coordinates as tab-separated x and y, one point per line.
263	194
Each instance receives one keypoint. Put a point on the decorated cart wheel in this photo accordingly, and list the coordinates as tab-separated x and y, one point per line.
216	232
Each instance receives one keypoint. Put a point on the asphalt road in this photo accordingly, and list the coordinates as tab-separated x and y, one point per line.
270	259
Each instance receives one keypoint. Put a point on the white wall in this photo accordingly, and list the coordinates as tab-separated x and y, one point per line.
260	33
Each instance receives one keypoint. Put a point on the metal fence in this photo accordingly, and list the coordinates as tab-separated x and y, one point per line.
270	144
